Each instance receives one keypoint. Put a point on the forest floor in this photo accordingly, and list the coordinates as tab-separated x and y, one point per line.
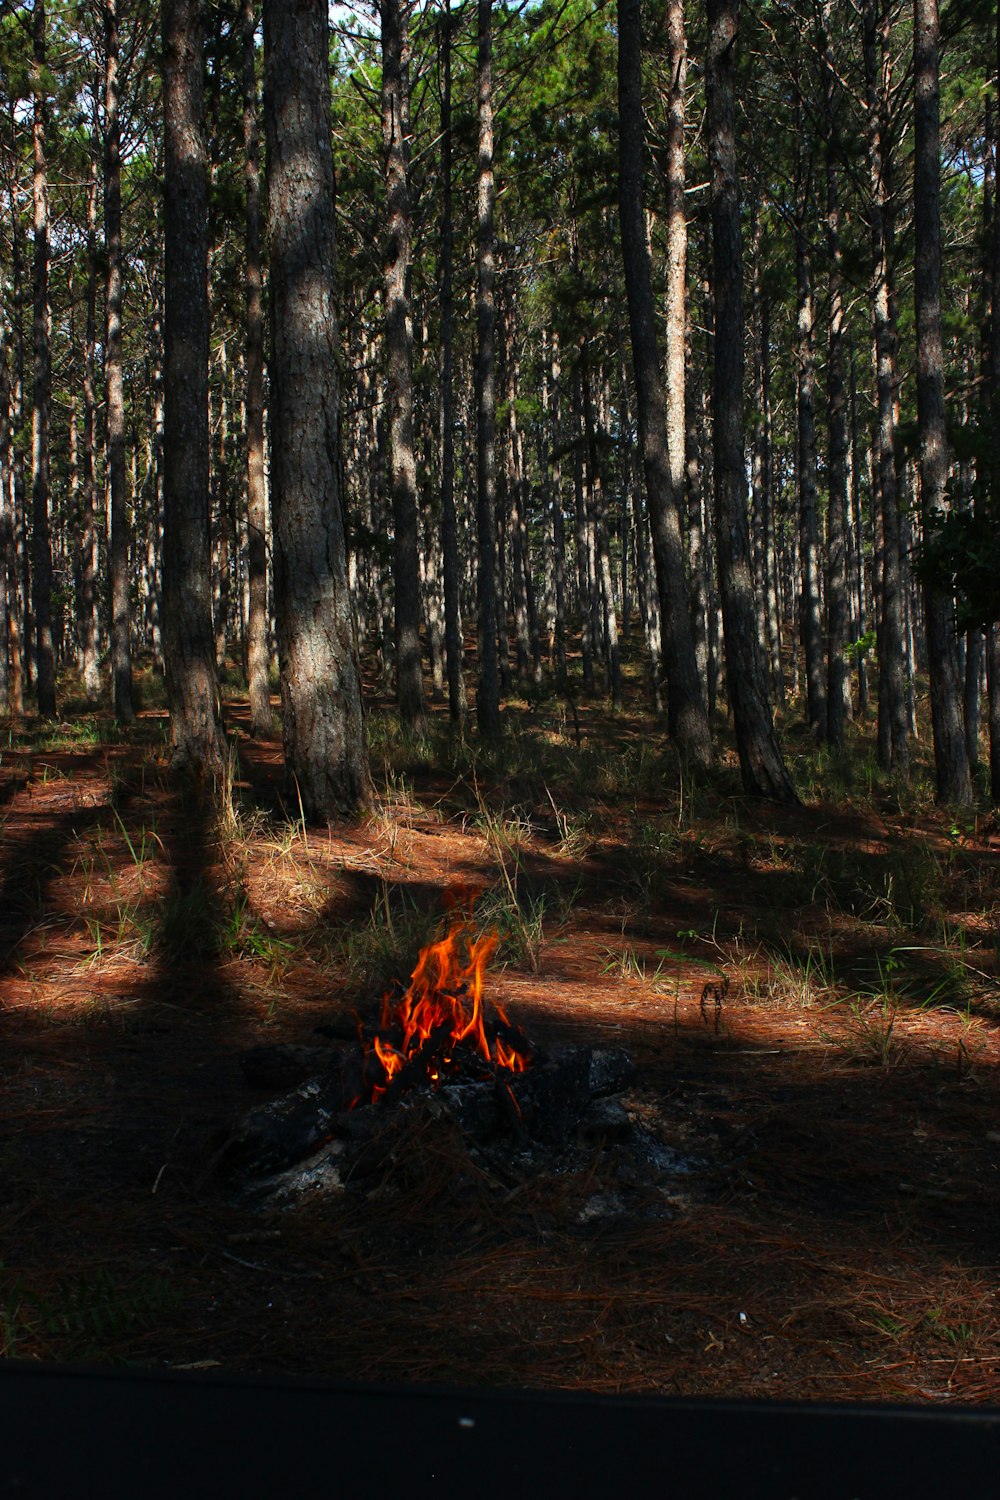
836	1234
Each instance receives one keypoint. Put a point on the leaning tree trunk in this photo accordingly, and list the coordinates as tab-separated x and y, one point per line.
189	638
41	544
320	679
121	650
893	746
663	468
763	770
488	691
951	759
399	359
257	644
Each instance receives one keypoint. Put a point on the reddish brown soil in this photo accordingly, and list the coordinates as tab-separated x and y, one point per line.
837	1237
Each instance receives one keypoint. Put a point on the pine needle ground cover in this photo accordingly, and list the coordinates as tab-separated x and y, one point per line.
810	996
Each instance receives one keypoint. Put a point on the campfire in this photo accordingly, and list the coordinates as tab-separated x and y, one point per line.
437	1051
440	1028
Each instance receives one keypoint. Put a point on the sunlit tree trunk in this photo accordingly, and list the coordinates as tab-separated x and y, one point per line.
488	691
810	613
257	621
121	650
663	468
41	545
399	358
325	753
893	747
87	603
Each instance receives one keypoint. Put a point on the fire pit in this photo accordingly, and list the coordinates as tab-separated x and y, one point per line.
437	1051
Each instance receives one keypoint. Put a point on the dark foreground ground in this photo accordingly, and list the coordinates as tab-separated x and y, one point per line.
835	1234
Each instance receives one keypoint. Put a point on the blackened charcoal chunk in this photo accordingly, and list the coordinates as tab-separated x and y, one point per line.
611	1071
287	1129
552	1096
473	1107
605	1120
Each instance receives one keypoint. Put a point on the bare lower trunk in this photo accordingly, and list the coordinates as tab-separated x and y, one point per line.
950	759
838	697
810	619
257	614
399	359
663	468
121	650
762	767
893	746
41	546
454	645
189	644
323	725
87	607
488	692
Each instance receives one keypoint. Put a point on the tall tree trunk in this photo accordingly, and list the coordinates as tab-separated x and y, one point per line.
320	679
838	693
257	614
87	604
41	545
893	747
762	767
7	592
951	760
993	415
189	644
399	357
121	650
454	644
687	719
810	619
488	691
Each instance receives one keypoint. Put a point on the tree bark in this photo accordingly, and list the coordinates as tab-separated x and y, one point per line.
762	767
118	560
399	358
454	644
951	760
7	592
687	719
838	695
488	691
810	620
189	643
323	723
257	614
87	603
41	544
893	746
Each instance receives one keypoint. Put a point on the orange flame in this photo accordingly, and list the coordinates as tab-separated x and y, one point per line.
445	990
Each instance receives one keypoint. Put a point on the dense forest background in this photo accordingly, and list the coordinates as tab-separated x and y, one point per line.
669	335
